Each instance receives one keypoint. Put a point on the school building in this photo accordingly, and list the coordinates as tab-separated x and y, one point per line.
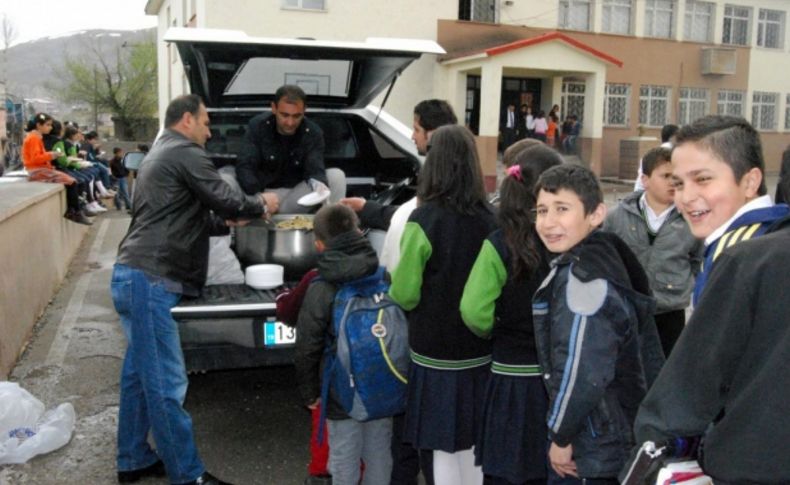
625	67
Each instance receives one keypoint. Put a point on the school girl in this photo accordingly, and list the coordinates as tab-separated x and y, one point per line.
38	163
449	369
497	304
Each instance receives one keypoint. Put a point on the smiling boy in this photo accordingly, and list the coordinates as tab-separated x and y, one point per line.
726	378
596	339
719	186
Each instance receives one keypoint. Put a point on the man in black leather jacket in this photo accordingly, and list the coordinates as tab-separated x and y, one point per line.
283	153
164	255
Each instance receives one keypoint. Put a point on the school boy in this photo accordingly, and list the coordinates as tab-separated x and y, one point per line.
718	168
726	376
344	255
597	344
655	231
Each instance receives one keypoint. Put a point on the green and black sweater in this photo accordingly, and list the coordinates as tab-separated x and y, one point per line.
438	249
498	306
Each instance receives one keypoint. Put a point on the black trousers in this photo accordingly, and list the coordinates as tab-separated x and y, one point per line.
670	325
406	461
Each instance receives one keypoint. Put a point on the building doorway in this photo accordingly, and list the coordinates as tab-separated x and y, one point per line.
520	91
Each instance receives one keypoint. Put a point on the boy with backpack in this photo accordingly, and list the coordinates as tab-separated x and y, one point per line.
346	319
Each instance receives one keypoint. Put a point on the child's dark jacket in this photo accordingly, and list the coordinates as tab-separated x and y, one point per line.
348	257
730	368
598	348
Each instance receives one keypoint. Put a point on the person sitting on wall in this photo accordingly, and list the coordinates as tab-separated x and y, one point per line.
283	155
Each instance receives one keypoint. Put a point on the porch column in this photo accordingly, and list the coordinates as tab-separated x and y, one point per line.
592	128
456	92
490	100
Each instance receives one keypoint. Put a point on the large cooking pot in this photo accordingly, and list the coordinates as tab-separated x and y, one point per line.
260	242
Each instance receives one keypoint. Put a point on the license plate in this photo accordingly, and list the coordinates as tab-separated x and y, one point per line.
278	333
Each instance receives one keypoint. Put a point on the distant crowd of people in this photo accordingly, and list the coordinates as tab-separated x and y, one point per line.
59	152
529	123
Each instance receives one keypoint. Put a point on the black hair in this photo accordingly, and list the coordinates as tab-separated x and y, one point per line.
654	158
334	220
116	150
70	131
291	93
187	103
513	151
56	128
668	131
91	135
452	176
37	119
576	178
143	147
517	201
433	113
729	138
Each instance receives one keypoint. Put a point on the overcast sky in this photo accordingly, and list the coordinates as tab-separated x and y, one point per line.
34	19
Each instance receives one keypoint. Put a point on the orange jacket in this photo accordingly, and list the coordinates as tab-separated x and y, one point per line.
33	154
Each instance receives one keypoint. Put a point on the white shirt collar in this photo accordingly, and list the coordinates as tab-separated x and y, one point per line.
655	221
758	203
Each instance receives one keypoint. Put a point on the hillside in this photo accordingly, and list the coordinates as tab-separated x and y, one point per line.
31	64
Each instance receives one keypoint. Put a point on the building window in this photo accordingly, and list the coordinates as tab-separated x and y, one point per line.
787	112
764	110
693	105
736	25
575	14
699	21
572	102
659	18
616	16
730	102
305	4
771	28
615	104
654	105
478	10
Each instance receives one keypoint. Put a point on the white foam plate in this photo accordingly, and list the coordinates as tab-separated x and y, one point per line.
313	198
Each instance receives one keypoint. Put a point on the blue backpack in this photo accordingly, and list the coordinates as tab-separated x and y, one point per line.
367	364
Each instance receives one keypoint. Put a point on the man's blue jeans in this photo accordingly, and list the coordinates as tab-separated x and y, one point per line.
153	379
122	194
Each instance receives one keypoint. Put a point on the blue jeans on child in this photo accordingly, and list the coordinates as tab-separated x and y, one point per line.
123	193
351	441
153	379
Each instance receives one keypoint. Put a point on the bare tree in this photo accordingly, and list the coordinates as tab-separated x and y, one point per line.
8	34
124	85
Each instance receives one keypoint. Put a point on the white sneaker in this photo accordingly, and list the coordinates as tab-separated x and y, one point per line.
95	207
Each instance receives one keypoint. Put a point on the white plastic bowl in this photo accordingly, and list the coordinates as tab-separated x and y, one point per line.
264	276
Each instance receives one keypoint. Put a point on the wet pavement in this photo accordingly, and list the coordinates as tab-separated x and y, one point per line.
249	425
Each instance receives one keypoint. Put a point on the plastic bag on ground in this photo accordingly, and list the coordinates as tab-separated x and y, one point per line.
26	430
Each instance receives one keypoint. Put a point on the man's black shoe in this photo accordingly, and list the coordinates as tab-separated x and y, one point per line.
155	470
207	479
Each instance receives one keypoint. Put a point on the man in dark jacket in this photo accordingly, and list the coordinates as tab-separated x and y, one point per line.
283	154
727	376
165	255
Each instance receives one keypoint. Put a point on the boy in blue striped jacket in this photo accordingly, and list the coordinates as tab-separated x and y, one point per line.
597	343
